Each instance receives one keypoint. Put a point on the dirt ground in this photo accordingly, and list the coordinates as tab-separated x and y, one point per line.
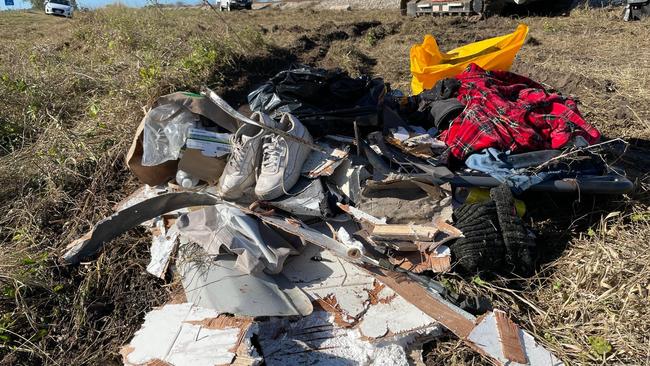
72	93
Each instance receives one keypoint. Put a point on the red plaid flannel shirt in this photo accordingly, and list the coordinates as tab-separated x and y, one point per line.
510	112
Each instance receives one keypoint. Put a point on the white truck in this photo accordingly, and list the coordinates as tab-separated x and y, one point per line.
235	4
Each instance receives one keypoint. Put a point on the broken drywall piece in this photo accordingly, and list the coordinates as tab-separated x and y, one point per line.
176	335
320	273
349	177
485	337
354	295
162	247
318	339
198	346
218	284
392	315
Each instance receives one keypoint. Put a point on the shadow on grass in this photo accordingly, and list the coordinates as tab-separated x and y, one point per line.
248	72
557	218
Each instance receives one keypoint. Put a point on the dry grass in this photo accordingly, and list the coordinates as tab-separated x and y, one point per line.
71	95
69	106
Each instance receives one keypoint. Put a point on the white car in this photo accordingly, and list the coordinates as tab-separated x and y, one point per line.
59	7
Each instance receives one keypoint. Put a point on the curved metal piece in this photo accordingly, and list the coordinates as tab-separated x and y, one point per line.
128	218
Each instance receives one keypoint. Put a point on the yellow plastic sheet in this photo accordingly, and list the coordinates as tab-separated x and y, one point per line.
429	64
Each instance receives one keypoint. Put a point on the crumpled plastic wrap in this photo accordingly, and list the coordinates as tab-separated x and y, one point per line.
222	228
166	128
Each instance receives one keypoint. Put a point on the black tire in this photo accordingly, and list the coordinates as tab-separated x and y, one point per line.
481	248
519	245
494	238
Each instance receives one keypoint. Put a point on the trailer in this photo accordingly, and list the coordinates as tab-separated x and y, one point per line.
460	7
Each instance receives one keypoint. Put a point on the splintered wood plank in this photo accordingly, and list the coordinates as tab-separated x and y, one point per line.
412	232
456	320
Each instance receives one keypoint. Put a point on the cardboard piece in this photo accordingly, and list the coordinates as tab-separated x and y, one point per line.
205	168
197	104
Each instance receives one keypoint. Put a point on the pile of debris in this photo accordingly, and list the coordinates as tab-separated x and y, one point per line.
312	231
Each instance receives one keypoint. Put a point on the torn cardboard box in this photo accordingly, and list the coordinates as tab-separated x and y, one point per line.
199	106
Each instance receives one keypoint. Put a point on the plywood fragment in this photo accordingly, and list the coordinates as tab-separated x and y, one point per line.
485	338
404	232
438	261
438	233
224	321
509	335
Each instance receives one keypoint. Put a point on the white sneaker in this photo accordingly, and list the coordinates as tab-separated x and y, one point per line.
239	173
282	159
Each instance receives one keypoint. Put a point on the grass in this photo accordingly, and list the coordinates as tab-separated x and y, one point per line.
69	107
72	93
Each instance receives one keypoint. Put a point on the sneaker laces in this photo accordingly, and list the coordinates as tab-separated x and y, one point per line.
272	152
236	154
